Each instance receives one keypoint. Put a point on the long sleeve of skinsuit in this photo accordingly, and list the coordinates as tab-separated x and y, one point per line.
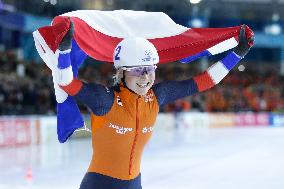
170	91
100	98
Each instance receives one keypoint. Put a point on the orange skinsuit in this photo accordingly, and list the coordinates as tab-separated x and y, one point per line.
119	136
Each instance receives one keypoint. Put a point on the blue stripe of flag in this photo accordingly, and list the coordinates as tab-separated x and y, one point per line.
194	57
69	117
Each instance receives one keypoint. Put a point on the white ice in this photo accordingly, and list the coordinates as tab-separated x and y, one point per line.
227	158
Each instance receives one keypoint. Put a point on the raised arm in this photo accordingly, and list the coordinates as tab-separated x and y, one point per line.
97	97
170	91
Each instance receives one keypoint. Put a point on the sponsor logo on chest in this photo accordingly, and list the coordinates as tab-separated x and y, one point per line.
118	101
119	129
123	130
147	129
149	97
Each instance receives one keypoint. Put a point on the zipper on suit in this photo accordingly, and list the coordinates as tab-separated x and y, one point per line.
135	138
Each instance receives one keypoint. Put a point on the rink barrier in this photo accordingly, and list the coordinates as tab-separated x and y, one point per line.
19	131
16	131
276	120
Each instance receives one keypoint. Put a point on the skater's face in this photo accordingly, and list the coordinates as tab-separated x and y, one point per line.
140	79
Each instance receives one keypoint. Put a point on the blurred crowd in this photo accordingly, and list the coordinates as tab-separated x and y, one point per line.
27	88
259	88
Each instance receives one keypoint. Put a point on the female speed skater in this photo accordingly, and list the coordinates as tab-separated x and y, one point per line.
123	116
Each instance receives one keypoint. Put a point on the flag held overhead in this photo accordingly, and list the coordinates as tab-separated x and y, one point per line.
96	34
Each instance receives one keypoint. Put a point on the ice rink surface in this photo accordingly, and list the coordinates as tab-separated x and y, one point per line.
224	158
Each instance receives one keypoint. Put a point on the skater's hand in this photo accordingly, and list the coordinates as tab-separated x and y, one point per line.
244	43
66	42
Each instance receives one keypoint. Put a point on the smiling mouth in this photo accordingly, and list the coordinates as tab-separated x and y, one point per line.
143	85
